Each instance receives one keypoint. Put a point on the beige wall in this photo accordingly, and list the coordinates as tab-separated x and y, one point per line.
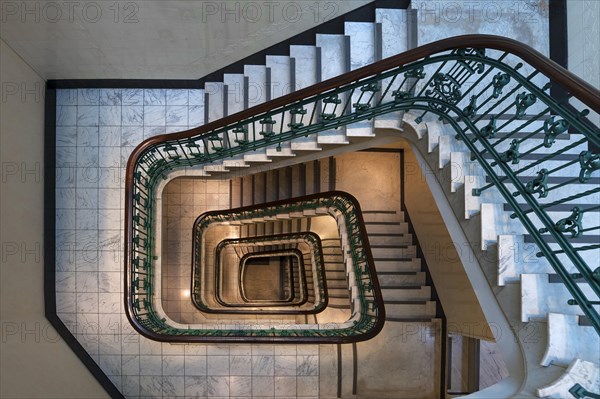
460	304
34	361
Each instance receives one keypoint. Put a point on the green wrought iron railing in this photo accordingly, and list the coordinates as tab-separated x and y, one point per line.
314	252
367	310
494	92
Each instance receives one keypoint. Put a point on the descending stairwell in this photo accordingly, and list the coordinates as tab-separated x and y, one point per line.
526	286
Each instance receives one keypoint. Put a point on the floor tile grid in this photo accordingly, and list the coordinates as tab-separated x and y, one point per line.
128	358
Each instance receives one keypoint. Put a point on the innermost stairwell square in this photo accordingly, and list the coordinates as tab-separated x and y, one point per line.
267	277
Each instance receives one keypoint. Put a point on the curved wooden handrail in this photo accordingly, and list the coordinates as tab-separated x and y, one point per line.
584	92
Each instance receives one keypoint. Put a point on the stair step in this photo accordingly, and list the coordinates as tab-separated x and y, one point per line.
402	309
393	280
390	239
406	294
334	51
394	266
386	228
394	252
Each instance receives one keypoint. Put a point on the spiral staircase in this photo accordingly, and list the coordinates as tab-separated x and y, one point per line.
513	169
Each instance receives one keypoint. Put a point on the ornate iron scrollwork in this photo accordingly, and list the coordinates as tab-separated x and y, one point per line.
446	88
539	185
589	163
553	129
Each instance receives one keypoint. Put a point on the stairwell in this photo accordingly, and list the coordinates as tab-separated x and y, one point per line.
525	286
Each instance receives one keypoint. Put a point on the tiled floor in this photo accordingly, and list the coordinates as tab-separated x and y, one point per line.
95	133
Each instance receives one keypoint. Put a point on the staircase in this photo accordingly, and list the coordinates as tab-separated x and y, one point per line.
411	311
567	352
572	342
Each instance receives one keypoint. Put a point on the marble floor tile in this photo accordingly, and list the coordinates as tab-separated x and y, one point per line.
173	365
88	115
110	115
66	115
66	198
110	345
88	96
154	115
66	97
109	323
130	365
217	365
217	350
285	365
131	385
110	364
285	386
307	386
110	97
87	198
195	365
173	386
151	365
87	136
66	136
110	136
66	156
263	365
65	281
217	386
263	386
240	386
177	115
196	115
132	97
308	365
132	115
66	302
87	282
177	97
241	365
155	96
150	387
87	303
195	386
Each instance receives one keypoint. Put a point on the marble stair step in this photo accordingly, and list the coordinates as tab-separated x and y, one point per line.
394	252
337	52
569	340
337	284
382	216
235	93
406	294
494	222
579	371
340	303
362	53
392	265
215	101
410	309
336	275
392	40
279	69
305	62
390	239
386	228
408	279
540	297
